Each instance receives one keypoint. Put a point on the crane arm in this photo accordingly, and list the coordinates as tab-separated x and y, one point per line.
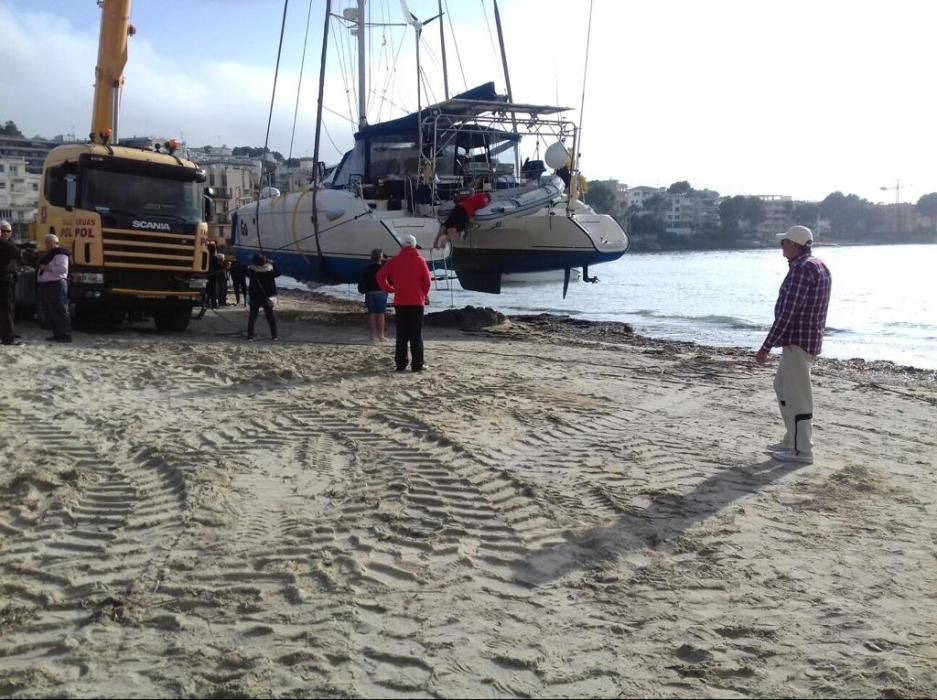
109	73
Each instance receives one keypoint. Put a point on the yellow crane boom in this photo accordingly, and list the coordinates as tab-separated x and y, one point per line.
109	73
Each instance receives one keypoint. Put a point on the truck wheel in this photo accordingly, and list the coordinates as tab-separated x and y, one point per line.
173	320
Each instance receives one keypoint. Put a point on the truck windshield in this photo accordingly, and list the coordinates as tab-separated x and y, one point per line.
140	195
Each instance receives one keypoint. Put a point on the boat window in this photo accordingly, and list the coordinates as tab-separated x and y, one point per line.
393	159
352	166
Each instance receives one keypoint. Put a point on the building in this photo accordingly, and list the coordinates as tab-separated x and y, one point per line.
636	196
291	178
779	210
235	179
689	213
19	194
683	214
33	151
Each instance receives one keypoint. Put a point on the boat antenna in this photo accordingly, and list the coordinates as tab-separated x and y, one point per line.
315	149
418	31
577	141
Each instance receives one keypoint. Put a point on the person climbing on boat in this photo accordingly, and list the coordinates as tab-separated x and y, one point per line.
460	217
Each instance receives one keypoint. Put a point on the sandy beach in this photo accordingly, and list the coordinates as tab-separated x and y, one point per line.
552	509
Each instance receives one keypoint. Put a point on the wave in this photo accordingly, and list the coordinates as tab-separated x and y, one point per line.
910	324
711	319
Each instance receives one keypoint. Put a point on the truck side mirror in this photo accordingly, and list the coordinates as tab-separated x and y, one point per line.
209	208
71	191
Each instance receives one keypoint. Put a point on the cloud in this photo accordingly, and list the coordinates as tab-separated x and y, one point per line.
736	96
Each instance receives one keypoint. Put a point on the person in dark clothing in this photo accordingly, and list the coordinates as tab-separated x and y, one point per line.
215	270
375	298
222	279
564	175
263	292
424	198
239	281
407	276
9	260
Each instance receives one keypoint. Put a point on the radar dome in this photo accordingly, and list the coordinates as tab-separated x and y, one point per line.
556	155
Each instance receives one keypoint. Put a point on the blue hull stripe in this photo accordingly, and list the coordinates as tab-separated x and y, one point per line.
347	270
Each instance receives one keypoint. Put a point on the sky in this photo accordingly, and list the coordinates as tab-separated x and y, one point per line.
797	98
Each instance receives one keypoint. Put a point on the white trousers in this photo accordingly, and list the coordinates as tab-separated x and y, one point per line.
795	398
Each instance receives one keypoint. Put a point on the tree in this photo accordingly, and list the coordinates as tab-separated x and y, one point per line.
645	225
805	213
601	197
927	205
731	212
753	211
656	204
10	129
680	187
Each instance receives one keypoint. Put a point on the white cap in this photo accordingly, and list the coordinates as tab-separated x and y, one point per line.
409	242
801	235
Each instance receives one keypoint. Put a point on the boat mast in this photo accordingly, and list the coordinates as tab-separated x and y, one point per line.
315	151
362	108
442	44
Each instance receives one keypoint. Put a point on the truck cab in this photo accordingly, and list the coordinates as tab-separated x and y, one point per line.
134	222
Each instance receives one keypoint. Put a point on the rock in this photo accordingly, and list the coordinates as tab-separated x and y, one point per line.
468	318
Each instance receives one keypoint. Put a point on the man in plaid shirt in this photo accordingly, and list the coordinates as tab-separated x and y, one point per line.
799	321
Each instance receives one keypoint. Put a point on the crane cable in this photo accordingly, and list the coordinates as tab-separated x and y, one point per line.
582	104
276	75
299	85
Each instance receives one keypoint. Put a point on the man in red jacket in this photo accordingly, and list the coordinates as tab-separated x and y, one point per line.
459	218
406	276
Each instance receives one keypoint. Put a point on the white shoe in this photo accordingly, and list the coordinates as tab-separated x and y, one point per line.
793	456
780	447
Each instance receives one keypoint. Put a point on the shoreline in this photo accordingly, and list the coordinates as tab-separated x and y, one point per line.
569	327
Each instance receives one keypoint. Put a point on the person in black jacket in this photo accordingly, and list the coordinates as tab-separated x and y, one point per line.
375	298
211	287
239	281
9	259
263	292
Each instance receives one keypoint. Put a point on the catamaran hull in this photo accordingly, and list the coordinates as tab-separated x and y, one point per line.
546	240
281	228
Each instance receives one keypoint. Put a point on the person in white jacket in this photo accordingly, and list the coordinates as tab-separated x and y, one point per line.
53	289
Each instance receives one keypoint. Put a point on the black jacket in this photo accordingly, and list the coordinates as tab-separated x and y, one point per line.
368	280
58	250
9	255
263	282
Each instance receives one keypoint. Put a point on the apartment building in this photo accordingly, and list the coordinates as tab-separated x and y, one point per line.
235	179
779	210
32	151
19	194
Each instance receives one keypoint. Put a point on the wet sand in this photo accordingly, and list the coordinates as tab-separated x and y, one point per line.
551	509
